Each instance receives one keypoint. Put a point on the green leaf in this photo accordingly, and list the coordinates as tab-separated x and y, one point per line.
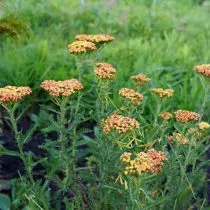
4	202
4	151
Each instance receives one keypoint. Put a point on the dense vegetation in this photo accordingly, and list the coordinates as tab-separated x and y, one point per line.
162	39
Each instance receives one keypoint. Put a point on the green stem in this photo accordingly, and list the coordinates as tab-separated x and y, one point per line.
18	140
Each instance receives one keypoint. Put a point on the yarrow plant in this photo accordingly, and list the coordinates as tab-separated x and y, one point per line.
107	145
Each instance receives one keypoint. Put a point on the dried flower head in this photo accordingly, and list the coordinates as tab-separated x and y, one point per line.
13	93
132	95
104	71
185	116
203	69
97	38
203	125
177	137
144	162
140	79
119	123
166	115
194	132
163	93
78	47
63	88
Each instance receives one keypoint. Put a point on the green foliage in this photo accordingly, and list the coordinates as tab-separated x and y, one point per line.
82	167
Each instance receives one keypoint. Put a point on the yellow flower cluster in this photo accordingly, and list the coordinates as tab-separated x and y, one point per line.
203	125
78	47
97	38
140	79
166	115
63	88
144	162
13	93
163	93
177	137
132	95
203	69
185	116
104	71
119	123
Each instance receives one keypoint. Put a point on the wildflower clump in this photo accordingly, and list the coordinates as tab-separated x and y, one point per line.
203	125
78	47
203	69
62	88
119	123
97	38
140	79
166	115
144	162
104	71
13	93
131	95
177	137
185	116
163	93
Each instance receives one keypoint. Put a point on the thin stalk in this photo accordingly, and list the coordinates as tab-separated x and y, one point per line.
18	140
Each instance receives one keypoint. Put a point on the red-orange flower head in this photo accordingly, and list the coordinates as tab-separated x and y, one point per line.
185	116
130	94
13	93
140	79
203	69
144	162
119	123
62	88
104	71
79	47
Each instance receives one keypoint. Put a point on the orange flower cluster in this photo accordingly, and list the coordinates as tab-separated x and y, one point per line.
132	95
203	69
177	137
97	38
63	88
145	162
140	79
104	71
163	93
166	115
185	116
119	123
13	93
78	47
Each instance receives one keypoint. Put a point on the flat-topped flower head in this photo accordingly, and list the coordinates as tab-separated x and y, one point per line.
163	92
79	47
194	132
203	69
132	95
104	71
166	115
185	116
13	93
140	79
144	162
203	125
119	123
96	38
62	88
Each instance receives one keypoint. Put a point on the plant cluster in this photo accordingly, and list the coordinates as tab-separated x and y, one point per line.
144	164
